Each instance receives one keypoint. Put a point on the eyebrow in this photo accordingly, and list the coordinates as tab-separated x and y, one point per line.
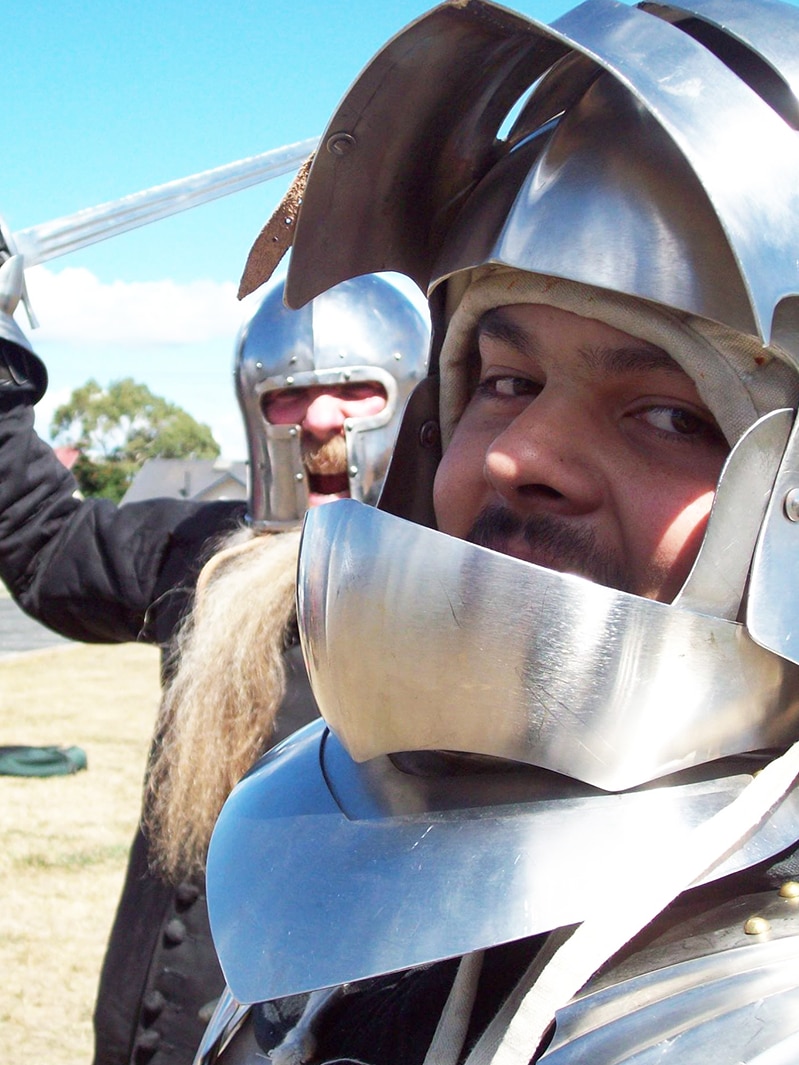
625	359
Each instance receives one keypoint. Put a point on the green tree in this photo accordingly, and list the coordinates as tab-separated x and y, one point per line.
119	427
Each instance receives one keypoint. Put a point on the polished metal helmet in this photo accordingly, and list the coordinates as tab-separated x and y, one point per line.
364	329
650	161
652	164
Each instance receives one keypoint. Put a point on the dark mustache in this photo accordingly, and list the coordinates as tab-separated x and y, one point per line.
570	548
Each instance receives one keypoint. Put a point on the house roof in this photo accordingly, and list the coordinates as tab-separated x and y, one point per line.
188	479
67	456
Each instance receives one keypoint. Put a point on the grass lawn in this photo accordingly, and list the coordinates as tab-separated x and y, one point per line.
64	840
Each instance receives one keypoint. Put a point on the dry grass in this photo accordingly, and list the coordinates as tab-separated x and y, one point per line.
65	839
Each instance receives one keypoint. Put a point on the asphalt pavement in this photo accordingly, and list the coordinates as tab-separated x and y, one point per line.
20	633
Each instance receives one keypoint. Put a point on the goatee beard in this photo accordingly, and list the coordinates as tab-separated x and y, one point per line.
563	546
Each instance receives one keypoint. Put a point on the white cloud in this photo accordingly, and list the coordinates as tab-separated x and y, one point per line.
74	306
178	339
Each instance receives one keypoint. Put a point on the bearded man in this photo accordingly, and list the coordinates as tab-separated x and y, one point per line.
321	399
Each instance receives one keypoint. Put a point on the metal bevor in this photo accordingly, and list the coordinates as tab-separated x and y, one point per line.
364	329
501	722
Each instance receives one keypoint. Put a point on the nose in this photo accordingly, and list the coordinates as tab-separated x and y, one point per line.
547	458
324	416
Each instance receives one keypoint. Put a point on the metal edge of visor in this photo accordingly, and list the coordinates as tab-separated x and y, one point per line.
759	25
396	873
772	614
378	198
589	677
717	582
413	194
683	86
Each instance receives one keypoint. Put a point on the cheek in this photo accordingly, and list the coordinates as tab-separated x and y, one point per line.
459	487
285	413
669	532
682	537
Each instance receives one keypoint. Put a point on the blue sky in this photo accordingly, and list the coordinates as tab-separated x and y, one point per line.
105	98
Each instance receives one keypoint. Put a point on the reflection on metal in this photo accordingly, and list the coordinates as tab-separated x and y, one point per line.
406	861
227	1018
613	79
704	997
718	578
772	614
464	649
49	240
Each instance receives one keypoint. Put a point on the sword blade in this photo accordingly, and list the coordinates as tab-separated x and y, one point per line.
49	240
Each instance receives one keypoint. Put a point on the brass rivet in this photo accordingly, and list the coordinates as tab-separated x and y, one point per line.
789	890
756	926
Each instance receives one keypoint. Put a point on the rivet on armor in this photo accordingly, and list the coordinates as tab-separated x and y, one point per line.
299	477
353	470
792	505
429	434
789	890
756	926
289	381
340	143
259	366
293	431
175	931
288	221
398	355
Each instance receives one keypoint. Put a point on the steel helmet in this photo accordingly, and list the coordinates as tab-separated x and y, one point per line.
653	164
364	329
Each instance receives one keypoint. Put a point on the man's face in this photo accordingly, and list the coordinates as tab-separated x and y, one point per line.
582	449
320	413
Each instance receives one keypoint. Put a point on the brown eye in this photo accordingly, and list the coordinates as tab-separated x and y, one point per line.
506	386
681	422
